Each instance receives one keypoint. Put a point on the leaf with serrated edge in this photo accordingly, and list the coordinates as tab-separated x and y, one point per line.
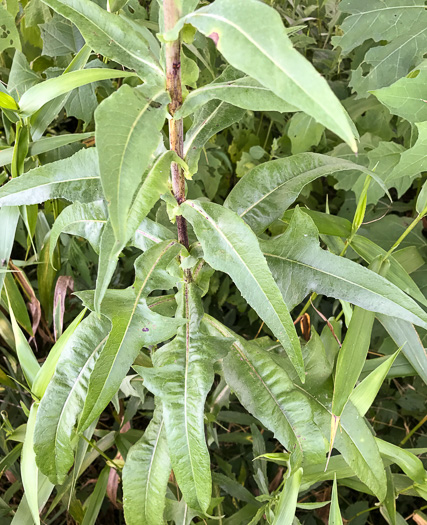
230	246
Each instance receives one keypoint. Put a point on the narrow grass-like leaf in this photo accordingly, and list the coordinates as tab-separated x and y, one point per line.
365	393
267	191
9	216
96	499
334	511
285	509
44	375
146	474
64	398
37	96
75	178
29	470
230	246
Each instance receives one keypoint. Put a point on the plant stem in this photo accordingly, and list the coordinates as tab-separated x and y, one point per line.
405	233
176	128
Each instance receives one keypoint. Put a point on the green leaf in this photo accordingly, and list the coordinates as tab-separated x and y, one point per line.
412	161
266	391
26	357
365	393
37	96
9	216
8	102
60	37
406	337
230	246
95	500
334	511
185	365
212	118
304	132
300	266
44	145
402	24
271	61
62	403
236	89
29	470
408	462
266	191
75	178
128	131
44	375
134	325
146	475
406	97
9	37
83	220
44	116
422	199
111	36
285	509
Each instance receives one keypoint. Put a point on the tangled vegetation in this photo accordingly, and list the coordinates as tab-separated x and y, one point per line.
213	262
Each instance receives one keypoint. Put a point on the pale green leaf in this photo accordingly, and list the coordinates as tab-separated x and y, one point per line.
9	36
365	393
182	377
146	474
128	131
422	199
266	191
230	246
75	178
29	470
300	266
134	325
253	39
285	509
111	36
64	398
412	161
9	216
44	145
304	132
334	511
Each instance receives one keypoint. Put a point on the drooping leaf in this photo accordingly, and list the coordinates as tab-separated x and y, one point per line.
128	125
111	36
63	401
266	191
285	509
182	377
266	391
230	246
146	474
134	325
40	94
84	220
75	178
300	266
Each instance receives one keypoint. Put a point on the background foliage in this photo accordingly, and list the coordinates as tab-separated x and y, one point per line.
56	227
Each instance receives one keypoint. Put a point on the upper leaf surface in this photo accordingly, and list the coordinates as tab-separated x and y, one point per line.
253	39
75	178
230	246
111	36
